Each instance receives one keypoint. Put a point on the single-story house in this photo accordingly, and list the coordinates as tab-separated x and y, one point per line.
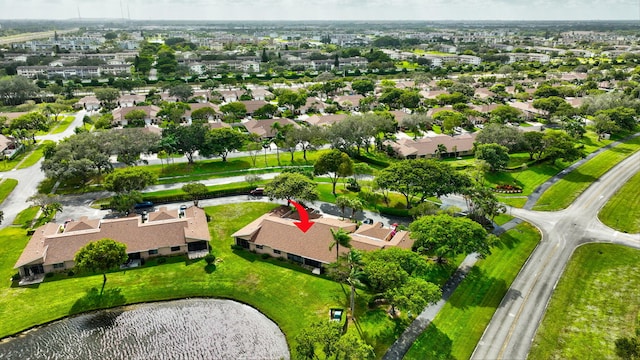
164	232
264	128
196	106
328	120
119	114
312	103
8	146
261	94
128	100
427	147
349	102
253	105
278	236
89	102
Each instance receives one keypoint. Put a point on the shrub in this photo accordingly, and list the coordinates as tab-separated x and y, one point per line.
162	260
70	273
265	256
16	277
48	275
236	247
209	258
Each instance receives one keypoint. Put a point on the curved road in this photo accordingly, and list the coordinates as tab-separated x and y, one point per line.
511	331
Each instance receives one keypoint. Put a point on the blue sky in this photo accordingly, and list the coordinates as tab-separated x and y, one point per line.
325	9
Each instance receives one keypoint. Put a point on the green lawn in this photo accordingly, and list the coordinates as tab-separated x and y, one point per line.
63	125
564	192
622	212
6	187
289	295
596	301
528	179
455	331
34	156
26	216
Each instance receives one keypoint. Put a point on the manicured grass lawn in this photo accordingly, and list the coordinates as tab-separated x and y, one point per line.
8	165
515	200
35	156
289	295
6	187
217	167
502	219
25	216
564	192
455	331
622	212
528	179
63	125
597	300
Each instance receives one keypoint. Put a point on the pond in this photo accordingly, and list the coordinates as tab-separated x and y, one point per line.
181	329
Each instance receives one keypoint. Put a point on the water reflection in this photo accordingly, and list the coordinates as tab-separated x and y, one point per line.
183	329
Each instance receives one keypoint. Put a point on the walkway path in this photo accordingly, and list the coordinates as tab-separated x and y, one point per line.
406	340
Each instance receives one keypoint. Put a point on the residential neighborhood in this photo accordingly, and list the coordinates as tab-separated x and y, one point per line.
372	190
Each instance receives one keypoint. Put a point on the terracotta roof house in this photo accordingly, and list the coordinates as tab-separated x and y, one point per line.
253	105
313	103
527	108
130	100
261	94
328	120
349	102
279	237
399	115
263	128
89	102
119	114
8	146
196	106
431	94
163	232
427	147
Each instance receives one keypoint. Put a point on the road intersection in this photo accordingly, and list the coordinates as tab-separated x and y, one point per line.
511	331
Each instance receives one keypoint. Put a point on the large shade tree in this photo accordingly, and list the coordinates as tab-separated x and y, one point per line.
334	163
101	256
289	186
446	236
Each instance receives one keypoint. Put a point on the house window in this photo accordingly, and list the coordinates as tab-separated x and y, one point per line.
153	252
259	247
175	248
276	251
58	266
295	258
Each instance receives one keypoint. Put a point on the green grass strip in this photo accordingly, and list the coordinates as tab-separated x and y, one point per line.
564	192
63	125
622	211
457	328
6	187
596	301
34	156
26	216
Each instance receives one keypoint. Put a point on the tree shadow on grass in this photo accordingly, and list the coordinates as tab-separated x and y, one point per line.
578	177
93	300
474	289
210	268
508	240
432	344
280	262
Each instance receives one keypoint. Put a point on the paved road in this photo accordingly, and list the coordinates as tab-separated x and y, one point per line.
515	322
29	178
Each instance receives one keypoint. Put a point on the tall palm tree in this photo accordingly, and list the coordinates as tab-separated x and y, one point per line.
340	238
441	150
277	136
355	276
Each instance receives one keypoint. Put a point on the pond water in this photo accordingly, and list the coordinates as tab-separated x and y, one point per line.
181	329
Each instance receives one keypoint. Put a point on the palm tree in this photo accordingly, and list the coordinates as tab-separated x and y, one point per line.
277	136
340	237
441	150
355	276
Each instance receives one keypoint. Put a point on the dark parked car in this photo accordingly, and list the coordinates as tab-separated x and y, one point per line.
257	192
143	205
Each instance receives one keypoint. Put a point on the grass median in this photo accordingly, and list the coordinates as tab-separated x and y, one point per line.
63	125
34	156
6	187
622	211
457	328
596	301
564	192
